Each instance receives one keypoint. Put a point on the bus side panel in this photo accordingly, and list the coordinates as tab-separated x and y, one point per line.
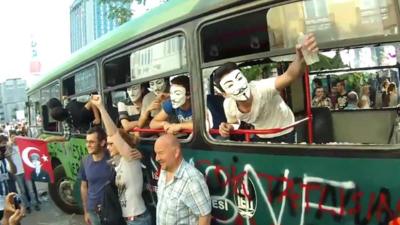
270	189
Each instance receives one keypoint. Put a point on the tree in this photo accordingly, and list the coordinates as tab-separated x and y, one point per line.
120	10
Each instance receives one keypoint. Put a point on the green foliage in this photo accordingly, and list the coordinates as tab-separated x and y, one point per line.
120	10
328	63
257	72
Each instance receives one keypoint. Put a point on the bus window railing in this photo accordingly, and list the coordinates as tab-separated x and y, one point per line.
156	131
247	133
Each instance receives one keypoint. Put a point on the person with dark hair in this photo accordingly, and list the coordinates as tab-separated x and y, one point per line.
178	105
153	100
94	172
320	99
76	115
342	95
259	102
129	177
129	111
27	194
317	83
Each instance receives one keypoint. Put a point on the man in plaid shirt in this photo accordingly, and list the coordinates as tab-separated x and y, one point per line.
183	196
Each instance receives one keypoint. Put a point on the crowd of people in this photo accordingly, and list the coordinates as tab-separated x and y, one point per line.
12	181
163	104
339	98
183	196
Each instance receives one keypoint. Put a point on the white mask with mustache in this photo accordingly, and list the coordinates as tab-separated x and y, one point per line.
157	86
236	86
178	96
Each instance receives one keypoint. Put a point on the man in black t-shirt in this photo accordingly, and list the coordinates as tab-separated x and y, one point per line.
75	114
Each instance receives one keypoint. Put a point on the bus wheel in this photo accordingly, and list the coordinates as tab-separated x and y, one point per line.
61	192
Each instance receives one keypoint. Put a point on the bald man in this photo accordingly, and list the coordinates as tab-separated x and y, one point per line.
183	196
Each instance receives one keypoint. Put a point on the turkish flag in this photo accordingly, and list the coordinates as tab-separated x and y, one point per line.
36	159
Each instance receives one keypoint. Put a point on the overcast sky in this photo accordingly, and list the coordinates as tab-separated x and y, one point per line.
45	20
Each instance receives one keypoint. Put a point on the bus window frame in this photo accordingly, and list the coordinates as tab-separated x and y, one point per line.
44	104
279	148
127	51
142	44
33	105
71	75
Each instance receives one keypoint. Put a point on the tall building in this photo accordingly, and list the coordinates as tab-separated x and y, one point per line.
89	21
12	100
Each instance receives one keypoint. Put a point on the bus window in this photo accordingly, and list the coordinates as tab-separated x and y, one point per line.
331	20
51	91
257	71
136	106
165	56
367	71
117	71
35	117
235	37
83	81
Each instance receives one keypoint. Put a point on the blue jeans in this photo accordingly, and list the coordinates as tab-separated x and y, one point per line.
144	219
94	218
22	183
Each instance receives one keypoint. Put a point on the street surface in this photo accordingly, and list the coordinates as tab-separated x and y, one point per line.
50	214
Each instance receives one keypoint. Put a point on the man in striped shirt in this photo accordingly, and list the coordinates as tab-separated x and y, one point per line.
183	196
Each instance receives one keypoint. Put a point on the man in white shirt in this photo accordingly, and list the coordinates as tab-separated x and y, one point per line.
259	102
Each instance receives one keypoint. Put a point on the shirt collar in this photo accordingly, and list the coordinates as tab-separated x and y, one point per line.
181	169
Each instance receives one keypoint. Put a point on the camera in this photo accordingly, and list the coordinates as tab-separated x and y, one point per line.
17	201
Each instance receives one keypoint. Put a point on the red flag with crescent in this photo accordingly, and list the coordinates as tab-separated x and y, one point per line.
36	159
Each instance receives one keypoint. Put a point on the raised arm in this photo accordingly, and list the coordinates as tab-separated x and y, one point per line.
95	111
111	129
297	67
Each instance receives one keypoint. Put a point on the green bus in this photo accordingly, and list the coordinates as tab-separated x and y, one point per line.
342	168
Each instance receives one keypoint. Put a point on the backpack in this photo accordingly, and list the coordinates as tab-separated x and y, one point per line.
110	212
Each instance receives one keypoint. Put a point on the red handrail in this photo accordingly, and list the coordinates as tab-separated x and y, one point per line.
308	104
148	130
247	133
261	131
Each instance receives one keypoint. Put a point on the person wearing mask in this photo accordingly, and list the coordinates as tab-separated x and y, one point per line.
129	111
179	105
259	102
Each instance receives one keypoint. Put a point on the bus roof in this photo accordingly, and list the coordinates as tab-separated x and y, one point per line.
170	13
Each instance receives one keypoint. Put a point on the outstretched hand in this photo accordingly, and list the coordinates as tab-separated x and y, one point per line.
310	44
96	100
